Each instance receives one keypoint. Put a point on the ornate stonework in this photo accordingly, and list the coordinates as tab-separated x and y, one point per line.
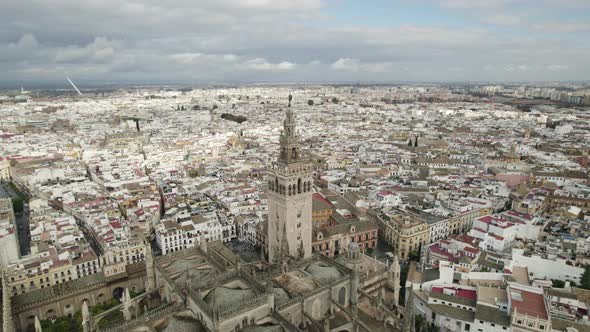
290	198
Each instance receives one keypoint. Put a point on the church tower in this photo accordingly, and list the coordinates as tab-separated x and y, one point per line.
289	198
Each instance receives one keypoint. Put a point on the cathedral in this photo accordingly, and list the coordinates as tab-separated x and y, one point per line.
210	288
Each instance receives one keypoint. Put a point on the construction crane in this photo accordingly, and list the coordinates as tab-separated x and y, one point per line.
74	85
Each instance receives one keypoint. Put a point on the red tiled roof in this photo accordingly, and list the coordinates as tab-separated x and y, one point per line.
529	303
504	225
459	292
437	250
486	219
467	239
321	198
497	237
115	224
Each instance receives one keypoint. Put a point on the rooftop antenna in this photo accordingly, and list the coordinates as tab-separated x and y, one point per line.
74	85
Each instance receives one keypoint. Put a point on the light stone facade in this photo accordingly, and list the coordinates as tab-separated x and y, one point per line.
290	199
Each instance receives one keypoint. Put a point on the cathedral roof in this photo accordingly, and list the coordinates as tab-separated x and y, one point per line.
281	295
263	328
222	296
182	323
323	272
297	282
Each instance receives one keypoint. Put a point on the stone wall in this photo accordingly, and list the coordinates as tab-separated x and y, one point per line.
70	303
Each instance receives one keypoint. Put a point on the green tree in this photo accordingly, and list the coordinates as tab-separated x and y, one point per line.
63	324
585	281
310	102
558	283
17	204
403	276
334	100
419	322
414	256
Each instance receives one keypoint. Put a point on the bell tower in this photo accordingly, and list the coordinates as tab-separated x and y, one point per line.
289	198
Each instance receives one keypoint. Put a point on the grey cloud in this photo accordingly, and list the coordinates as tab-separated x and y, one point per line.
267	40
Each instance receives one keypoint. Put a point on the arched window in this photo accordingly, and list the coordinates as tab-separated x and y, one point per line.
50	314
342	296
294	153
299	186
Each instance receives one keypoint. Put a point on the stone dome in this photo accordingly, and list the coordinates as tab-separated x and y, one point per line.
223	296
324	273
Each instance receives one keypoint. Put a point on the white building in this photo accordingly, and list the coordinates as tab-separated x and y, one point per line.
542	268
172	236
4	169
9	246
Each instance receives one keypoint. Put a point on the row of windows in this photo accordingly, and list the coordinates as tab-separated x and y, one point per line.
133	258
292	189
451	304
529	323
492	324
87	264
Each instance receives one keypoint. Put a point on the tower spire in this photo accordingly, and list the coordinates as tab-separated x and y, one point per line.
289	140
38	327
86	317
290	197
408	324
354	258
150	282
394	280
7	323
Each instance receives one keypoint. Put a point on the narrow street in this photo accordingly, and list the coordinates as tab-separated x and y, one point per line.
22	219
23	231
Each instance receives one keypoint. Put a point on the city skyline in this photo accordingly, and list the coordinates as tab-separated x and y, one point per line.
311	41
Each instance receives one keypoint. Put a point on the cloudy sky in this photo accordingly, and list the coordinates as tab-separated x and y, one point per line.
228	41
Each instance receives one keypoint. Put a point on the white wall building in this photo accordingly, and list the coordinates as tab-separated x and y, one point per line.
542	268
